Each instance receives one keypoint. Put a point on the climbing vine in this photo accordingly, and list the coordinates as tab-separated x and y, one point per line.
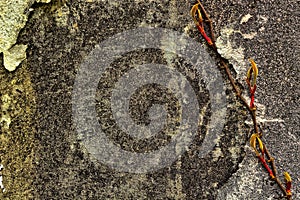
202	20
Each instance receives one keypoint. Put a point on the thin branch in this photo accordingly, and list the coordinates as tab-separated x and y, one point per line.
251	108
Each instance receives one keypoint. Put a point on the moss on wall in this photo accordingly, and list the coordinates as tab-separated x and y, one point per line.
13	17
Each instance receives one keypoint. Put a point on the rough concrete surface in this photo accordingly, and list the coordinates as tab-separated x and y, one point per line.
41	153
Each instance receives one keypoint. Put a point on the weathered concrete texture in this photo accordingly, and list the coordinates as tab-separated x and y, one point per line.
60	36
17	139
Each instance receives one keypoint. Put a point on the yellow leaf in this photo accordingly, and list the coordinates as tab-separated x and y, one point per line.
254	70
195	10
253	142
249	73
287	177
260	144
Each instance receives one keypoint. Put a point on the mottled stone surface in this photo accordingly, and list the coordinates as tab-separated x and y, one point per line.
40	150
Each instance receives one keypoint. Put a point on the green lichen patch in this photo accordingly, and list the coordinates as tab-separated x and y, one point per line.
14	56
13	17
